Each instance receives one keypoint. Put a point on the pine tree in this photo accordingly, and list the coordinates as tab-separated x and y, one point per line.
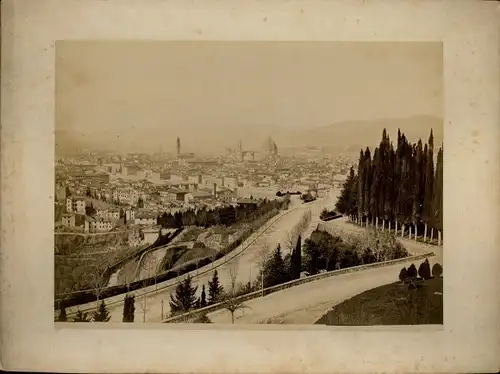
62	315
81	317
129	308
203	300
275	270
296	260
101	314
215	289
184	298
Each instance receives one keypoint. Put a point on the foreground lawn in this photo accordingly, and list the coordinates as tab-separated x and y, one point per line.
392	304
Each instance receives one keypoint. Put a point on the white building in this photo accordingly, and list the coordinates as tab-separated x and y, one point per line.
68	220
78	205
99	224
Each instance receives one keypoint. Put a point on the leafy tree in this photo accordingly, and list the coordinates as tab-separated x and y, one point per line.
424	270
215	289
184	298
203	300
62	315
437	270
88	193
129	308
232	304
101	314
402	274
411	272
81	317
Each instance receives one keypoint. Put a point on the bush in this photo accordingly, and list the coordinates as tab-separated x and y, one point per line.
403	274
424	270
437	270
412	272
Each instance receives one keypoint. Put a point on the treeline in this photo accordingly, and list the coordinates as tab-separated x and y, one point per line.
226	216
400	187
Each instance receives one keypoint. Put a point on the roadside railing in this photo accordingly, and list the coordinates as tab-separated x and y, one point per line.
186	317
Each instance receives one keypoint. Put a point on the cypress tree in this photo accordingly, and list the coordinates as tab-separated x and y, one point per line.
408	181
438	194
429	186
416	184
376	168
215	289
367	169
385	177
203	301
353	195
389	179
296	260
361	192
398	179
129	308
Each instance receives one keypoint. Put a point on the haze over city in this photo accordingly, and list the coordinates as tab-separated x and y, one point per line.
139	96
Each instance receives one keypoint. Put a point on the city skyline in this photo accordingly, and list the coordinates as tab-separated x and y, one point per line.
143	95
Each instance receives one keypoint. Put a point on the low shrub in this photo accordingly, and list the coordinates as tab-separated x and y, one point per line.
437	270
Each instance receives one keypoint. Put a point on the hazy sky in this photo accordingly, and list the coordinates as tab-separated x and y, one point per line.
150	92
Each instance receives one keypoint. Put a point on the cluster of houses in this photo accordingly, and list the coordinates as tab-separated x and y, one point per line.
104	197
90	215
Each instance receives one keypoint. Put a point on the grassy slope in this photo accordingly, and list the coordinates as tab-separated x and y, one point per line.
392	304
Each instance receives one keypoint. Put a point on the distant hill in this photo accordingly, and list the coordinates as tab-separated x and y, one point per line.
351	136
346	137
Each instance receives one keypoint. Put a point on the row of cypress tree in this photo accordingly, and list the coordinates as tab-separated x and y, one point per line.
402	187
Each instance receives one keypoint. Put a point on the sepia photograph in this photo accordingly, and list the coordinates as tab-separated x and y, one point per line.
249	187
295	183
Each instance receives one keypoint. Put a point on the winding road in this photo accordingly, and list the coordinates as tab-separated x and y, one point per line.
306	303
245	265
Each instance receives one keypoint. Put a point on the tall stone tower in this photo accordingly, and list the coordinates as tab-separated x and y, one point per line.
178	146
